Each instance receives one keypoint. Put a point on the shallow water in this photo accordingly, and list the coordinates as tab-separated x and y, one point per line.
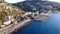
51	26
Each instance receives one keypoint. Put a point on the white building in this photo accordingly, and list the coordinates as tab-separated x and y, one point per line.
7	23
27	13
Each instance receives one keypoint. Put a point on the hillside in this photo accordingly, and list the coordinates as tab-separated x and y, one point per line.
38	5
7	9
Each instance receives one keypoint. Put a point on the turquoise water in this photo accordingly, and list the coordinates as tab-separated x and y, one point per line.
51	26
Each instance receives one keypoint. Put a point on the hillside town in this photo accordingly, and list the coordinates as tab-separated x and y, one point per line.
7	14
13	16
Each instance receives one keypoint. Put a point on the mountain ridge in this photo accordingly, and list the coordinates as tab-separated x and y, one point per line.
38	5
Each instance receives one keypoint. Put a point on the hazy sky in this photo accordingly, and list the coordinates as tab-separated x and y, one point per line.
55	0
14	1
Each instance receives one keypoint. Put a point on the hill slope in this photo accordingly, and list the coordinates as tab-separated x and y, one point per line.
38	5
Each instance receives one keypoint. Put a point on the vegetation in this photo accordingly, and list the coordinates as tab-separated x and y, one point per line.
7	9
39	5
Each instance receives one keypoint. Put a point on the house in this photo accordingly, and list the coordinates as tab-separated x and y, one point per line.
7	22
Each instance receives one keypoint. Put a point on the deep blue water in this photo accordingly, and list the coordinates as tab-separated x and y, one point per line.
51	26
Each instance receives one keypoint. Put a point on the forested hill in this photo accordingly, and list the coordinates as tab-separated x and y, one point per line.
38	5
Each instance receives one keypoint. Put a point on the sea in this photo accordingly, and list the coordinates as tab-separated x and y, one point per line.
51	26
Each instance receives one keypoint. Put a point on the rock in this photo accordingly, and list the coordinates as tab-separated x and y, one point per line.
42	18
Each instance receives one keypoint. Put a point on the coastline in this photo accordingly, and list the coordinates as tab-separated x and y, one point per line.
13	27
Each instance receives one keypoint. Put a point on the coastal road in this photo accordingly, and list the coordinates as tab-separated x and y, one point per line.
13	27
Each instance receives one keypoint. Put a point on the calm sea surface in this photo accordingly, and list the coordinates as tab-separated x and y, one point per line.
51	26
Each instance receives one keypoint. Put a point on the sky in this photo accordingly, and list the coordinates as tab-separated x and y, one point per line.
15	1
55	1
